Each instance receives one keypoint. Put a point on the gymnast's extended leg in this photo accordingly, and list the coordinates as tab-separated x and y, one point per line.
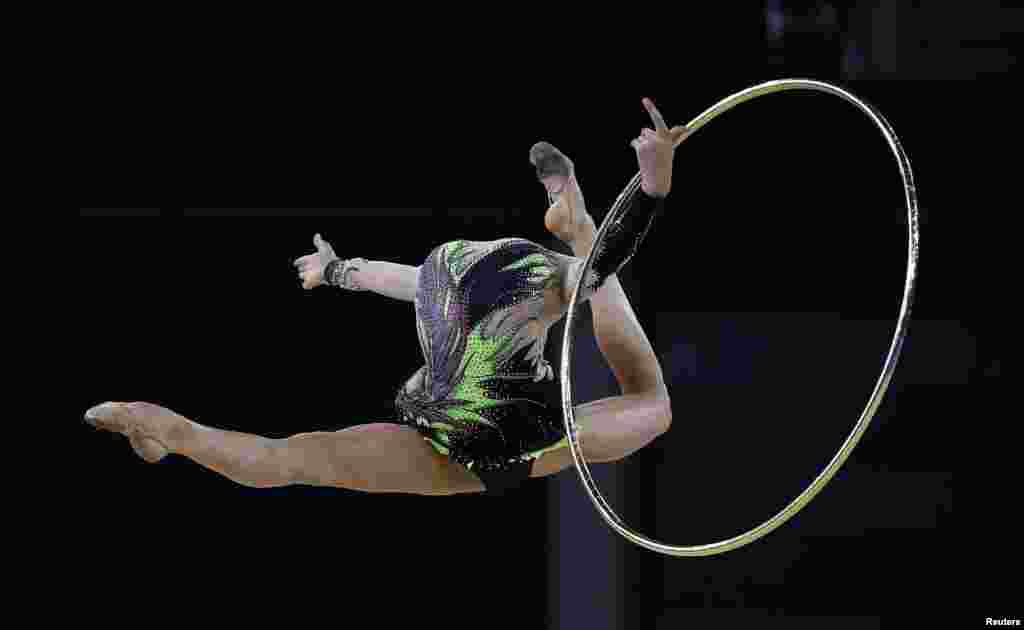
378	457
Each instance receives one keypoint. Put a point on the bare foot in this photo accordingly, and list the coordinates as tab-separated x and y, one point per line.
567	216
152	430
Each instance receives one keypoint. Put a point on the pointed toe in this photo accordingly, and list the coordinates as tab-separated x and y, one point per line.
549	161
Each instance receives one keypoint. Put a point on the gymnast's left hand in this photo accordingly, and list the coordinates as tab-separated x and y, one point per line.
311	268
655	149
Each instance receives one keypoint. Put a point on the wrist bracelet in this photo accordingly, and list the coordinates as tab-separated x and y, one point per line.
338	273
330	271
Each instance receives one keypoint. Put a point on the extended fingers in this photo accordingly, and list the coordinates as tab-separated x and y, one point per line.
323	247
659	121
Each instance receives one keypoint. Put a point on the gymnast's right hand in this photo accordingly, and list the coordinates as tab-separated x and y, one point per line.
311	268
654	151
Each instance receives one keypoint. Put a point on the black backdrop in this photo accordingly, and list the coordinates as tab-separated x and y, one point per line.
770	289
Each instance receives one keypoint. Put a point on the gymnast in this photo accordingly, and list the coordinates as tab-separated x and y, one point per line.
483	413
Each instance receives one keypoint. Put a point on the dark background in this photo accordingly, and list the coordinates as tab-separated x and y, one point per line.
770	290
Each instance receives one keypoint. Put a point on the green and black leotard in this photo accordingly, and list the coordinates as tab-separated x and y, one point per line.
486	397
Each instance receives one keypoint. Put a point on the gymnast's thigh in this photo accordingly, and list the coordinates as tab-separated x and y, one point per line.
386	457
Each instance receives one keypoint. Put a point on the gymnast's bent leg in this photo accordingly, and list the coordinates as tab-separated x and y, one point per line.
613	428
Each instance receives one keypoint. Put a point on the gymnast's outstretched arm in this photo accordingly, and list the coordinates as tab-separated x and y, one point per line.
357	274
644	204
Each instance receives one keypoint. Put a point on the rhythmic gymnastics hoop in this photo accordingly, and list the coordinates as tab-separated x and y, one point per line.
614	216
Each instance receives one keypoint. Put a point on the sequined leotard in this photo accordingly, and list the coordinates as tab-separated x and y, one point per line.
486	397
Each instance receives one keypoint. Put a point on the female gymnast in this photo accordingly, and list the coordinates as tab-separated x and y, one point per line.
483	413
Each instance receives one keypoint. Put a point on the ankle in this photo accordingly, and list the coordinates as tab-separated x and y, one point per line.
582	240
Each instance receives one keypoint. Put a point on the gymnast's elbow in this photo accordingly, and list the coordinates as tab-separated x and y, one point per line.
663	415
667	417
664	400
